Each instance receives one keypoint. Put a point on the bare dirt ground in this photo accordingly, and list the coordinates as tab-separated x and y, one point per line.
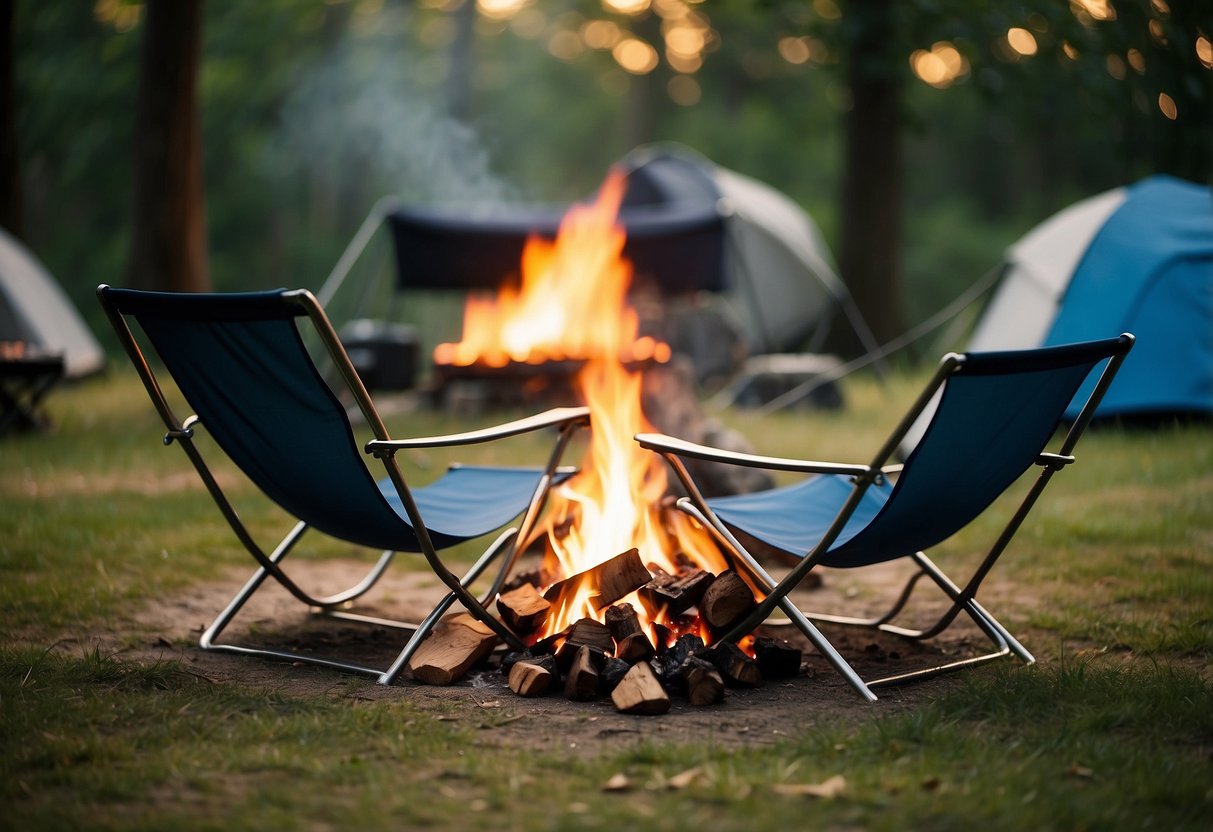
169	629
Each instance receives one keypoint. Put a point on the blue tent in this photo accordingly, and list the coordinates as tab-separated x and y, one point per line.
1137	259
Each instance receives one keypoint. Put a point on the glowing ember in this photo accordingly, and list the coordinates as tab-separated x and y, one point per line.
572	303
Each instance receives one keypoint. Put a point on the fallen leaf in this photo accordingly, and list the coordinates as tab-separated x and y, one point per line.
1076	770
617	783
684	779
826	790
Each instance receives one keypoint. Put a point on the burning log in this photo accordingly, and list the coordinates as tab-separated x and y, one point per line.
617	577
736	668
777	659
533	677
726	600
523	609
457	642
640	693
581	682
677	593
631	644
590	633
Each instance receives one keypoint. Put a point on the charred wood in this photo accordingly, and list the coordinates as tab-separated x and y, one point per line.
777	659
736	668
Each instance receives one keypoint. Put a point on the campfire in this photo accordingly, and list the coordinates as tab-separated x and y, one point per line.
630	591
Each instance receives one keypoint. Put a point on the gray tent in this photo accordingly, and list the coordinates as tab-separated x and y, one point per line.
691	226
35	311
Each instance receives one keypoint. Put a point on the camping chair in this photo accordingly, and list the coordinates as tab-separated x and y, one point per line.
989	418
241	364
26	376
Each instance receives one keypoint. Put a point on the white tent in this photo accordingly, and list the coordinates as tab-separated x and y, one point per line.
35	311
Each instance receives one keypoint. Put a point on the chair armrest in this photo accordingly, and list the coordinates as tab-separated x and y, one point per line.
556	417
680	447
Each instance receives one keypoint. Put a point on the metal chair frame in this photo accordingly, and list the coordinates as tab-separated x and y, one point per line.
507	544
963	598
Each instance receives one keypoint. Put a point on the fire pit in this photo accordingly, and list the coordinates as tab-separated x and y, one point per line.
630	593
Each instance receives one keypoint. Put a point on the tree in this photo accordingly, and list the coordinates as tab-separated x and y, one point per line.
168	214
10	177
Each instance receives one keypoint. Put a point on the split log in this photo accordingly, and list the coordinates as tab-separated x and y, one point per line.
736	668
703	681
677	593
635	648
777	659
640	693
617	577
523	609
581	683
726	600
592	633
531	678
446	655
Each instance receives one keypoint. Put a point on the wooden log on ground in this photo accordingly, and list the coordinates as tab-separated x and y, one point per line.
523	609
617	577
736	668
640	693
777	659
581	682
726	600
457	643
532	678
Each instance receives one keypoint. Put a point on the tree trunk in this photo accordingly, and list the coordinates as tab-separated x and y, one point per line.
168	213
873	172
10	156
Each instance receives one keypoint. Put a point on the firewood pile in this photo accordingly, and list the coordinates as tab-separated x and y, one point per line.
615	655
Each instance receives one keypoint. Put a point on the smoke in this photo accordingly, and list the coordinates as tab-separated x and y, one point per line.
365	123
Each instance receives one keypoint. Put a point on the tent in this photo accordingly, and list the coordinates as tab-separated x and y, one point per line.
35	312
691	226
1135	259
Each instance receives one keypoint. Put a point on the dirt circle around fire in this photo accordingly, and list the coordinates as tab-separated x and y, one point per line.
777	710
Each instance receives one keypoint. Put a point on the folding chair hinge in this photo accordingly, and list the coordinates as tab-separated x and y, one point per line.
876	478
1054	461
186	431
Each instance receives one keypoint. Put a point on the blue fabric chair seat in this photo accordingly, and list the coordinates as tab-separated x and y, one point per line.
794	518
469	501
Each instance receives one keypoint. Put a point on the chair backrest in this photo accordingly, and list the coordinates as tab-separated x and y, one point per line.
242	366
995	415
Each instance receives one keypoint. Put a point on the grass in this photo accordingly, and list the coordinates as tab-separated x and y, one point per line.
1112	730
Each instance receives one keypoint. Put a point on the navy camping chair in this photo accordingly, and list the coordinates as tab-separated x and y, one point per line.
989	418
241	364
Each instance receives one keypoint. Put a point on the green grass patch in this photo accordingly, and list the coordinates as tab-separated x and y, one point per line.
1110	577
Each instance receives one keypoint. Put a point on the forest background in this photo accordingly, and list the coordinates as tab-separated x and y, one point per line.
923	136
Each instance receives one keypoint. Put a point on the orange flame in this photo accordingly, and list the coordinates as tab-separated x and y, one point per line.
572	303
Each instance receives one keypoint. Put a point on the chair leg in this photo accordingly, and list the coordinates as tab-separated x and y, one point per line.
1005	644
